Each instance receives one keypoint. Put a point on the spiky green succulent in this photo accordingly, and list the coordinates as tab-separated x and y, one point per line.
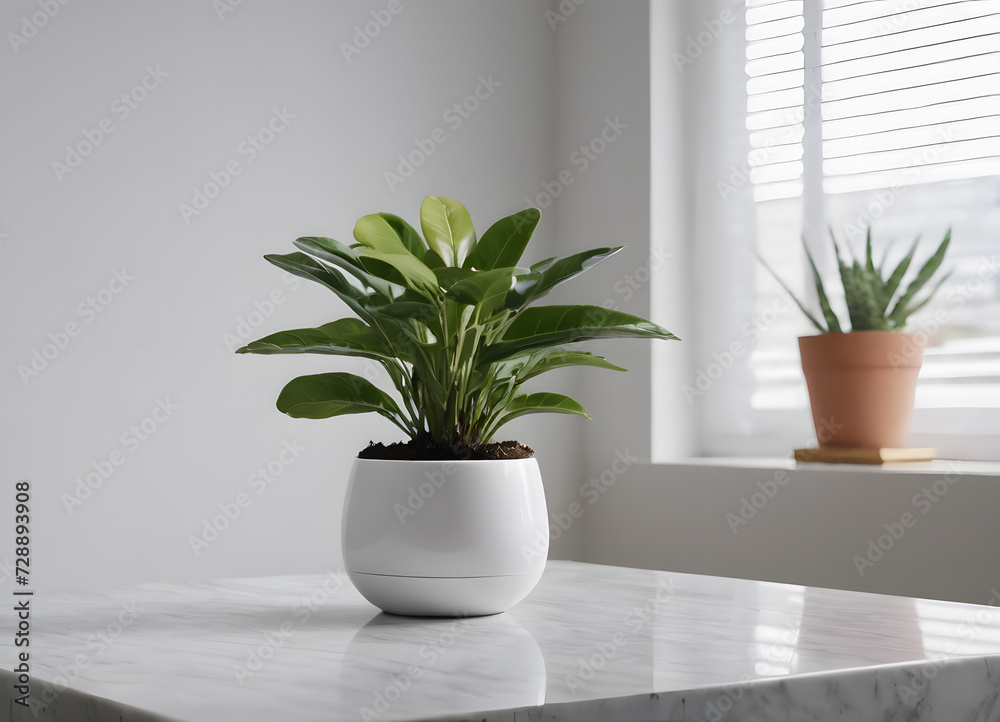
875	302
450	319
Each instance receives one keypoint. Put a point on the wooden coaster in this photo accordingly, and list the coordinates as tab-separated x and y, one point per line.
832	455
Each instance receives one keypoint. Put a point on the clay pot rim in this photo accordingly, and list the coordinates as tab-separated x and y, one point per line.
859	333
897	350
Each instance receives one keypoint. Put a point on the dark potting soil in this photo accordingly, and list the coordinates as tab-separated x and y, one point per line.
426	450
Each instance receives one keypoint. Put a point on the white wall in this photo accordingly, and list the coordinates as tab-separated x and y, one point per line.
161	338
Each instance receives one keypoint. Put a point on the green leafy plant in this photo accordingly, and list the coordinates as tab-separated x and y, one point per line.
450	318
875	301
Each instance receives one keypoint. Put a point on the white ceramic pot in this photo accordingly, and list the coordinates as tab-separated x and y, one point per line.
446	539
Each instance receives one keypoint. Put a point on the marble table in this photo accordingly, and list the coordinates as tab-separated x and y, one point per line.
590	643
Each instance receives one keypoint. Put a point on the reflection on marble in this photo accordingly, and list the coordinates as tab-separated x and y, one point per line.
590	643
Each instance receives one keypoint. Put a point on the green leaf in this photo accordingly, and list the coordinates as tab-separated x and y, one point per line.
832	322
406	234
415	274
340	254
542	265
303	266
544	326
870	263
540	403
896	277
874	278
528	289
913	309
812	319
344	337
447	276
504	242
524	283
485	290
923	276
538	362
334	394
862	303
345	257
432	260
448	229
374	231
380	246
414	310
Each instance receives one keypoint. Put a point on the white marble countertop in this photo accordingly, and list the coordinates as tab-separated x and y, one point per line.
590	643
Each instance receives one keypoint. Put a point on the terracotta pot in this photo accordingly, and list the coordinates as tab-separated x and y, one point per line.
861	386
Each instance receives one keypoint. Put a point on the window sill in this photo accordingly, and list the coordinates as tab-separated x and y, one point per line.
930	468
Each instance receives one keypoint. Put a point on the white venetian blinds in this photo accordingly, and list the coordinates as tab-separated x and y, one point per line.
909	92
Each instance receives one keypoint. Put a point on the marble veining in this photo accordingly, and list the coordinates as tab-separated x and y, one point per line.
590	643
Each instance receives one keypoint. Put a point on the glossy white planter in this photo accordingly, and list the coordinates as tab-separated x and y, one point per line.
449	539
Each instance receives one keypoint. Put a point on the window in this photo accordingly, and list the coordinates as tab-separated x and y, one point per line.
883	112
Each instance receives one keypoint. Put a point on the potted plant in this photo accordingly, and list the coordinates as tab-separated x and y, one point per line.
448	523
862	379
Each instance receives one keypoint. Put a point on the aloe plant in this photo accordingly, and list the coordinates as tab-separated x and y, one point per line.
875	302
450	319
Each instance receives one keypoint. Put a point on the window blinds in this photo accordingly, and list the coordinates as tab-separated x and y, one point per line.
909	93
